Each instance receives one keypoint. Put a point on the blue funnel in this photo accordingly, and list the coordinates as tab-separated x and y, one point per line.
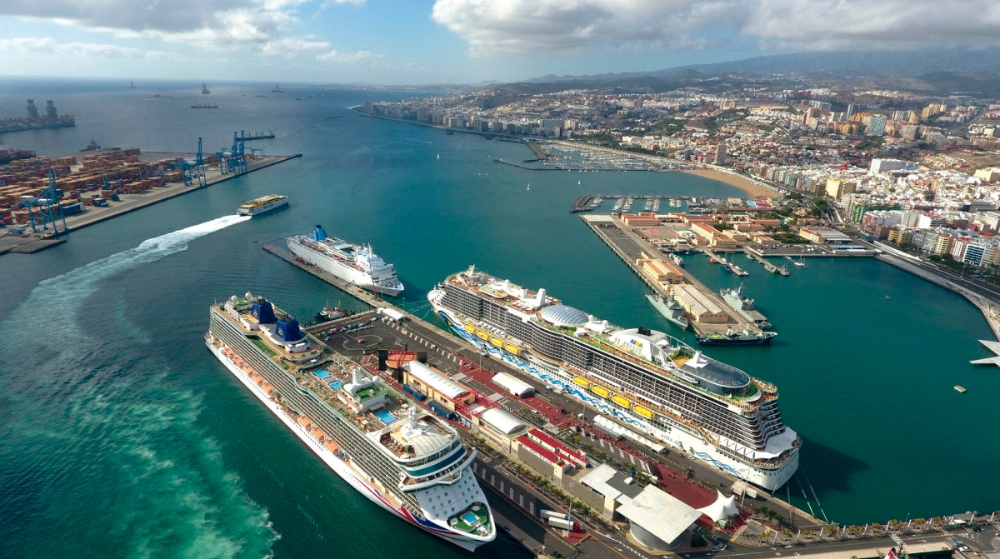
263	312
288	330
319	233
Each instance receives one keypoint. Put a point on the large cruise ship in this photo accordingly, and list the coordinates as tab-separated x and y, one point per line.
652	382
354	263
403	459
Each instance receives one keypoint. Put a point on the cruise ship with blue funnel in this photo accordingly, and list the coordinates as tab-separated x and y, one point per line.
652	382
400	457
357	264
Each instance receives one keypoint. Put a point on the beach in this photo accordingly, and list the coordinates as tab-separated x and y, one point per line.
752	189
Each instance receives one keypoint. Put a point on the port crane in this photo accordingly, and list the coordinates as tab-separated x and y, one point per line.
49	210
194	170
235	160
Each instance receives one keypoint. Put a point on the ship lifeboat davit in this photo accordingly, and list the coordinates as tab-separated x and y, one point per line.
258	379
268	389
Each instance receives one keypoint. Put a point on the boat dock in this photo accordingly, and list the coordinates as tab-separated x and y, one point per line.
581	203
770	267
631	248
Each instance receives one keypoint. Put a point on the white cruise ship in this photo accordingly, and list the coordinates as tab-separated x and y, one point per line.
403	459
354	263
655	384
263	204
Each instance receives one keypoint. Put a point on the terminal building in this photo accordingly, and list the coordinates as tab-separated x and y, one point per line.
658	521
441	393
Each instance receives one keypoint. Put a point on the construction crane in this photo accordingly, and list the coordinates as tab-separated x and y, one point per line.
45	202
235	160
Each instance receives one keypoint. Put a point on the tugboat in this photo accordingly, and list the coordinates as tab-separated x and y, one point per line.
331	313
92	146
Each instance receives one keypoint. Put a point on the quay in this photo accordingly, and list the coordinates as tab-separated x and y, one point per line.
631	248
33	242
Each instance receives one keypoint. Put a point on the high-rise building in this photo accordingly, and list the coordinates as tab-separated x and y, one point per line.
720	153
876	126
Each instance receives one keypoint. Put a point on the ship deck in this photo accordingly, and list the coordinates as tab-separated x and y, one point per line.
325	375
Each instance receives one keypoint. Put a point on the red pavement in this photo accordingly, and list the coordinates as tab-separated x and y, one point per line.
689	491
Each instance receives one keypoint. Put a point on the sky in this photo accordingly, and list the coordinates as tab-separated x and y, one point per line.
395	42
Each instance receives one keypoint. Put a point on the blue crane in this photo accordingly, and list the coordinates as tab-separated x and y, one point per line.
194	170
235	160
45	202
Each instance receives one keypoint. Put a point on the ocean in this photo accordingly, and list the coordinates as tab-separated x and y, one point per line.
121	436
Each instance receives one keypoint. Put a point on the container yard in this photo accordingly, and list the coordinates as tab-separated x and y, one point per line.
102	185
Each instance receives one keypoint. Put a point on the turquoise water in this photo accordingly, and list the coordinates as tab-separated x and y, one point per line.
121	435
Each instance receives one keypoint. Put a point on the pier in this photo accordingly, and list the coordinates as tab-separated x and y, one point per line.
580	205
631	248
769	266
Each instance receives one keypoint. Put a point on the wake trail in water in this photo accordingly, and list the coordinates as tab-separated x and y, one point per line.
51	303
91	421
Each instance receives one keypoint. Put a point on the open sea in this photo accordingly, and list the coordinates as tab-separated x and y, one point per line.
121	436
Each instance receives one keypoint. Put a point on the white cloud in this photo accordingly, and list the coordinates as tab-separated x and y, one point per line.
291	46
541	27
209	24
48	45
328	3
351	57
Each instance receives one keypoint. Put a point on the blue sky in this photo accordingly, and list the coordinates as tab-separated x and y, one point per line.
453	41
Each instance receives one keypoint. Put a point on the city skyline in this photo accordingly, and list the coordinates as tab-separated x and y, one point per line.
452	41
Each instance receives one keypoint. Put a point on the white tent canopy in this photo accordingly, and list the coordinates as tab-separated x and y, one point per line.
721	509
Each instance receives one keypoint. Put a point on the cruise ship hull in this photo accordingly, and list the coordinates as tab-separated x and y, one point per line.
340	467
341	270
701	449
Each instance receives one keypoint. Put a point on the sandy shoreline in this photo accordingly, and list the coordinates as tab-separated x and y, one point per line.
752	189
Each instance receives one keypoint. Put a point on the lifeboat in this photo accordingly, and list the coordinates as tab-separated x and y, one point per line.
643	412
331	446
483	334
318	434
600	391
621	401
304	421
580	381
268	389
258	379
469	328
497	342
513	349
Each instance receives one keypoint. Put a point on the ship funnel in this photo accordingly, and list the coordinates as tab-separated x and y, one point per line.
540	299
356	376
319	233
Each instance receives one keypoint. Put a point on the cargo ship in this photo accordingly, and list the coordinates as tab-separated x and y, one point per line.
744	306
205	106
263	204
350	262
8	154
405	460
35	121
670	309
653	383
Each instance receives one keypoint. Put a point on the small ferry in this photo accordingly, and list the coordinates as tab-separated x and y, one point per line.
961	389
263	204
